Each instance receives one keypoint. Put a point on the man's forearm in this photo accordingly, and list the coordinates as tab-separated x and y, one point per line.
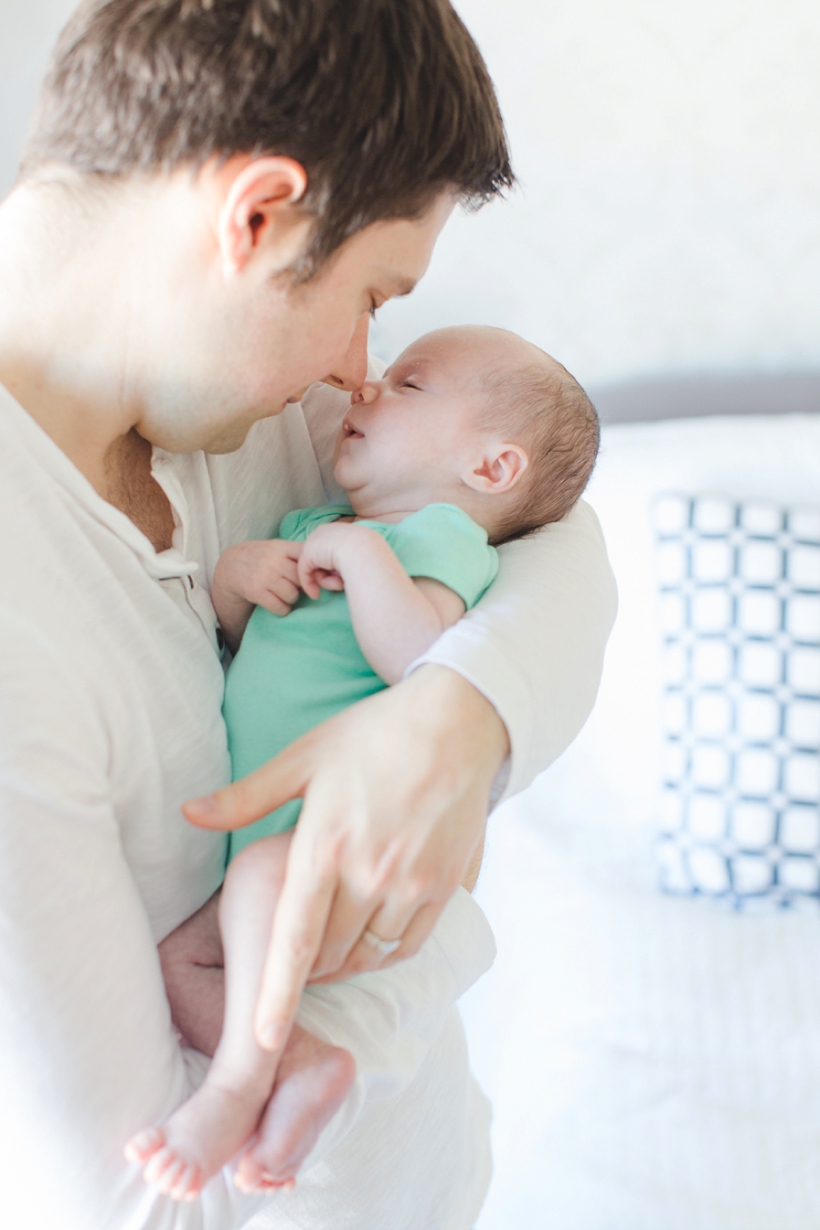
534	644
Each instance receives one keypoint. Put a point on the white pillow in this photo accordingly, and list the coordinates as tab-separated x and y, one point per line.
739	588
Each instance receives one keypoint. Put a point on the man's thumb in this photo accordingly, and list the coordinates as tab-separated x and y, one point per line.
252	797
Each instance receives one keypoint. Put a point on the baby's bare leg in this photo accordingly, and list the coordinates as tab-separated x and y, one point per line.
312	1081
209	1129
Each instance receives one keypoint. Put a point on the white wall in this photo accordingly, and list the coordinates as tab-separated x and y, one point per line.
669	212
669	157
28	29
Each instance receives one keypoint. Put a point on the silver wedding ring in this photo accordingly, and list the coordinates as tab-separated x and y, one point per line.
384	947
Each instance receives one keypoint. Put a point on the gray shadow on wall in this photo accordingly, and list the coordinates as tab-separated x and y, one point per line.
698	395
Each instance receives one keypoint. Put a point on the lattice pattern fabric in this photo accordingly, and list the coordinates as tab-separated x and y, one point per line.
740	614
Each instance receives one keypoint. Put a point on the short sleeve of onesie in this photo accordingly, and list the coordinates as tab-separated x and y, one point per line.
439	541
298	524
442	542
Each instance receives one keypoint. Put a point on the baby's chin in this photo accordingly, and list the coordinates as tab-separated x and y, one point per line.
347	474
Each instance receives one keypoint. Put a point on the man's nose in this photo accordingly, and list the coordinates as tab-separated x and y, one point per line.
366	393
351	372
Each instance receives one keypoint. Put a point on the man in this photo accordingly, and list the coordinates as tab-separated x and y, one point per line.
215	195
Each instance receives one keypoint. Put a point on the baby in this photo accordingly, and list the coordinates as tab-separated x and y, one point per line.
473	437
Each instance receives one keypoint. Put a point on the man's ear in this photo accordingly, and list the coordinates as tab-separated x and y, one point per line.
260	210
499	470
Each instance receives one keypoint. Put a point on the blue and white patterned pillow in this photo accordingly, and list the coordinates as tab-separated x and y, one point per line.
740	613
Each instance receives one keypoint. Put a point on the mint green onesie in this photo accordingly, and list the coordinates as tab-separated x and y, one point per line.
294	671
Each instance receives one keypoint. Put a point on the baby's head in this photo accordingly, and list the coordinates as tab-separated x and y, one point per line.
472	416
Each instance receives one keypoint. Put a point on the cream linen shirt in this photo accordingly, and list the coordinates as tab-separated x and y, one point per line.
110	695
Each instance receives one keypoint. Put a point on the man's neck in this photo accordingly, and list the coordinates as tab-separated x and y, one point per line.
52	359
131	487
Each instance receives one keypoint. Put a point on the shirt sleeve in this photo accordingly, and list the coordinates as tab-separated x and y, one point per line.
389	1019
88	1051
534	644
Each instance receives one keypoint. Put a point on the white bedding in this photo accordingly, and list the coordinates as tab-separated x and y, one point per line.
654	1062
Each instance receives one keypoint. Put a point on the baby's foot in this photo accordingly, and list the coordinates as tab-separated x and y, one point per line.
198	1139
312	1081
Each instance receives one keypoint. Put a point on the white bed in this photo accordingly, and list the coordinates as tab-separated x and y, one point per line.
654	1061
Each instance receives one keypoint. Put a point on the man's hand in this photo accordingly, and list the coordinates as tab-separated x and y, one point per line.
396	795
253	574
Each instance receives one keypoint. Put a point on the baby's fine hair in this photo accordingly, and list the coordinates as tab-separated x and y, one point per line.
544	409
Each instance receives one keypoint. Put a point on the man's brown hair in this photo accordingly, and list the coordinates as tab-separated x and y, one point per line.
385	103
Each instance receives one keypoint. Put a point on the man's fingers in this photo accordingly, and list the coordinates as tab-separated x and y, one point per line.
252	797
346	922
415	933
393	919
273	603
341	957
298	927
279	597
362	957
288	590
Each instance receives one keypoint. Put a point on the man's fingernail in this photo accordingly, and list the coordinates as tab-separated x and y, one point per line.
205	806
272	1036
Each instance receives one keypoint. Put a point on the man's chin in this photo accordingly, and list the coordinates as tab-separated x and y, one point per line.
233	435
225	444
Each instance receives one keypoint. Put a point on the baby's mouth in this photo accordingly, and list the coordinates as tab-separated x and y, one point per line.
351	432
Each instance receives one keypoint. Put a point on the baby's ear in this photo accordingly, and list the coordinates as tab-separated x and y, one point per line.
499	469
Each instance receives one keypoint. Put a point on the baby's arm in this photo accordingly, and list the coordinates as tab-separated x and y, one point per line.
396	618
254	574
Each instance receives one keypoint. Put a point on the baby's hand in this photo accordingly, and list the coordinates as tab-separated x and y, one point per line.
264	573
320	564
254	574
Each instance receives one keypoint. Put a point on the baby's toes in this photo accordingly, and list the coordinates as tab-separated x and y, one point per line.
170	1176
158	1164
189	1183
144	1145
250	1176
243	1182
